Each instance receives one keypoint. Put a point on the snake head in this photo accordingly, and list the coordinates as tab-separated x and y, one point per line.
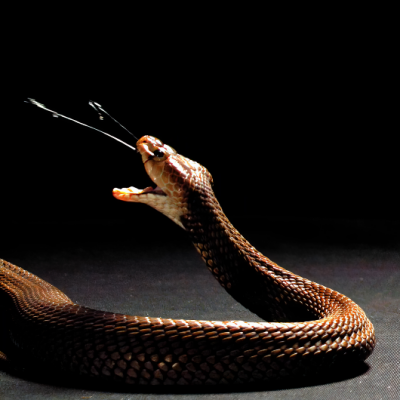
174	175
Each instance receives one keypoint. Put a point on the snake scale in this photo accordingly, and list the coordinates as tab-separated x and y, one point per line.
42	322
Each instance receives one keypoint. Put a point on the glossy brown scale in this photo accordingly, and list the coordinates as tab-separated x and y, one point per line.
45	325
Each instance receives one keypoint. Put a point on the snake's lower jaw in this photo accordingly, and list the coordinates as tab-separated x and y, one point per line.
155	198
128	194
135	195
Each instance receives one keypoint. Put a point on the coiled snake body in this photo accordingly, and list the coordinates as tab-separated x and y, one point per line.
43	323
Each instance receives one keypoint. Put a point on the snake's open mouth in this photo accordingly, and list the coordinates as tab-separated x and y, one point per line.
128	194
154	197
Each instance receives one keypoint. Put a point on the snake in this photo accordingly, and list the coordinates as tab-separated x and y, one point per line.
311	328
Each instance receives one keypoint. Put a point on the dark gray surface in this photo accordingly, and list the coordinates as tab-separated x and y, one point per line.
154	271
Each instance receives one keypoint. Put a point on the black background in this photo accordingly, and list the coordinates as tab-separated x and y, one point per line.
305	132
293	119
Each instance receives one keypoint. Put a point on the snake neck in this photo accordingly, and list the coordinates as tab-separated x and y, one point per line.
247	275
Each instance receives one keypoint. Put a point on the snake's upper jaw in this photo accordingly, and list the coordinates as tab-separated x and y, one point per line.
155	198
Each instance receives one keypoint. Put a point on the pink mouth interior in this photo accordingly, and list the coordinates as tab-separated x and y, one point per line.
156	190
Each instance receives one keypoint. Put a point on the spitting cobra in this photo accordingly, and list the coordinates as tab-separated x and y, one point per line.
42	323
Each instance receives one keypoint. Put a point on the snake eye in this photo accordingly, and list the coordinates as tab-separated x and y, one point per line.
158	153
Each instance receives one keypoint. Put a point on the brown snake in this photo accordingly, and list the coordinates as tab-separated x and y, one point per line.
43	323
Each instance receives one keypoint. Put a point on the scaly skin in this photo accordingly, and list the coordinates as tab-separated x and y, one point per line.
45	324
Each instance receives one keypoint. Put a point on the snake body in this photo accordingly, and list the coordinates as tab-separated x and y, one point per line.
43	323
